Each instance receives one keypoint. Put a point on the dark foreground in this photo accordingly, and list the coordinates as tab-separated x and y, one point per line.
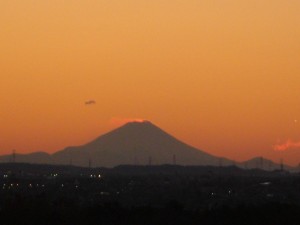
142	195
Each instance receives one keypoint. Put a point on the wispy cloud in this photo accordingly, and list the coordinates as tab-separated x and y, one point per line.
289	144
90	102
118	121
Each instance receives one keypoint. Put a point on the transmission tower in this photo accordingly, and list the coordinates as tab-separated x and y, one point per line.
174	159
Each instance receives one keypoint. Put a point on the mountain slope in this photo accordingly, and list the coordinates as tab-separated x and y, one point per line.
135	143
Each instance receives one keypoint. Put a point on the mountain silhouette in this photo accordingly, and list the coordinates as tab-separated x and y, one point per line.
139	143
136	143
265	164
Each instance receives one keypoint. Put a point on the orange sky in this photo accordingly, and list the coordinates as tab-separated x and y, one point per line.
222	75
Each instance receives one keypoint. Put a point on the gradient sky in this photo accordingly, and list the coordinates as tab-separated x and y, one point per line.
221	75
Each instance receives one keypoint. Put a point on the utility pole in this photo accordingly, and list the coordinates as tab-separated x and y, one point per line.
13	157
220	162
281	165
70	159
150	161
90	163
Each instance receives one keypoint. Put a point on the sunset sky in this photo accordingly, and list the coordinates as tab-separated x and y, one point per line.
220	75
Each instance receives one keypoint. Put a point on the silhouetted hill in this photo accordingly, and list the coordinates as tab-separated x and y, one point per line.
138	143
36	157
264	164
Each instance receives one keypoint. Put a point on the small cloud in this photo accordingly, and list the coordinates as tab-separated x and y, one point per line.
90	102
118	121
289	144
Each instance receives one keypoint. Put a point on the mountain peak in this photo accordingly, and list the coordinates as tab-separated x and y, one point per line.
140	127
136	142
138	123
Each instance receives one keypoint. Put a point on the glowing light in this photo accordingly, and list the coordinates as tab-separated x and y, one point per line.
289	144
117	121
